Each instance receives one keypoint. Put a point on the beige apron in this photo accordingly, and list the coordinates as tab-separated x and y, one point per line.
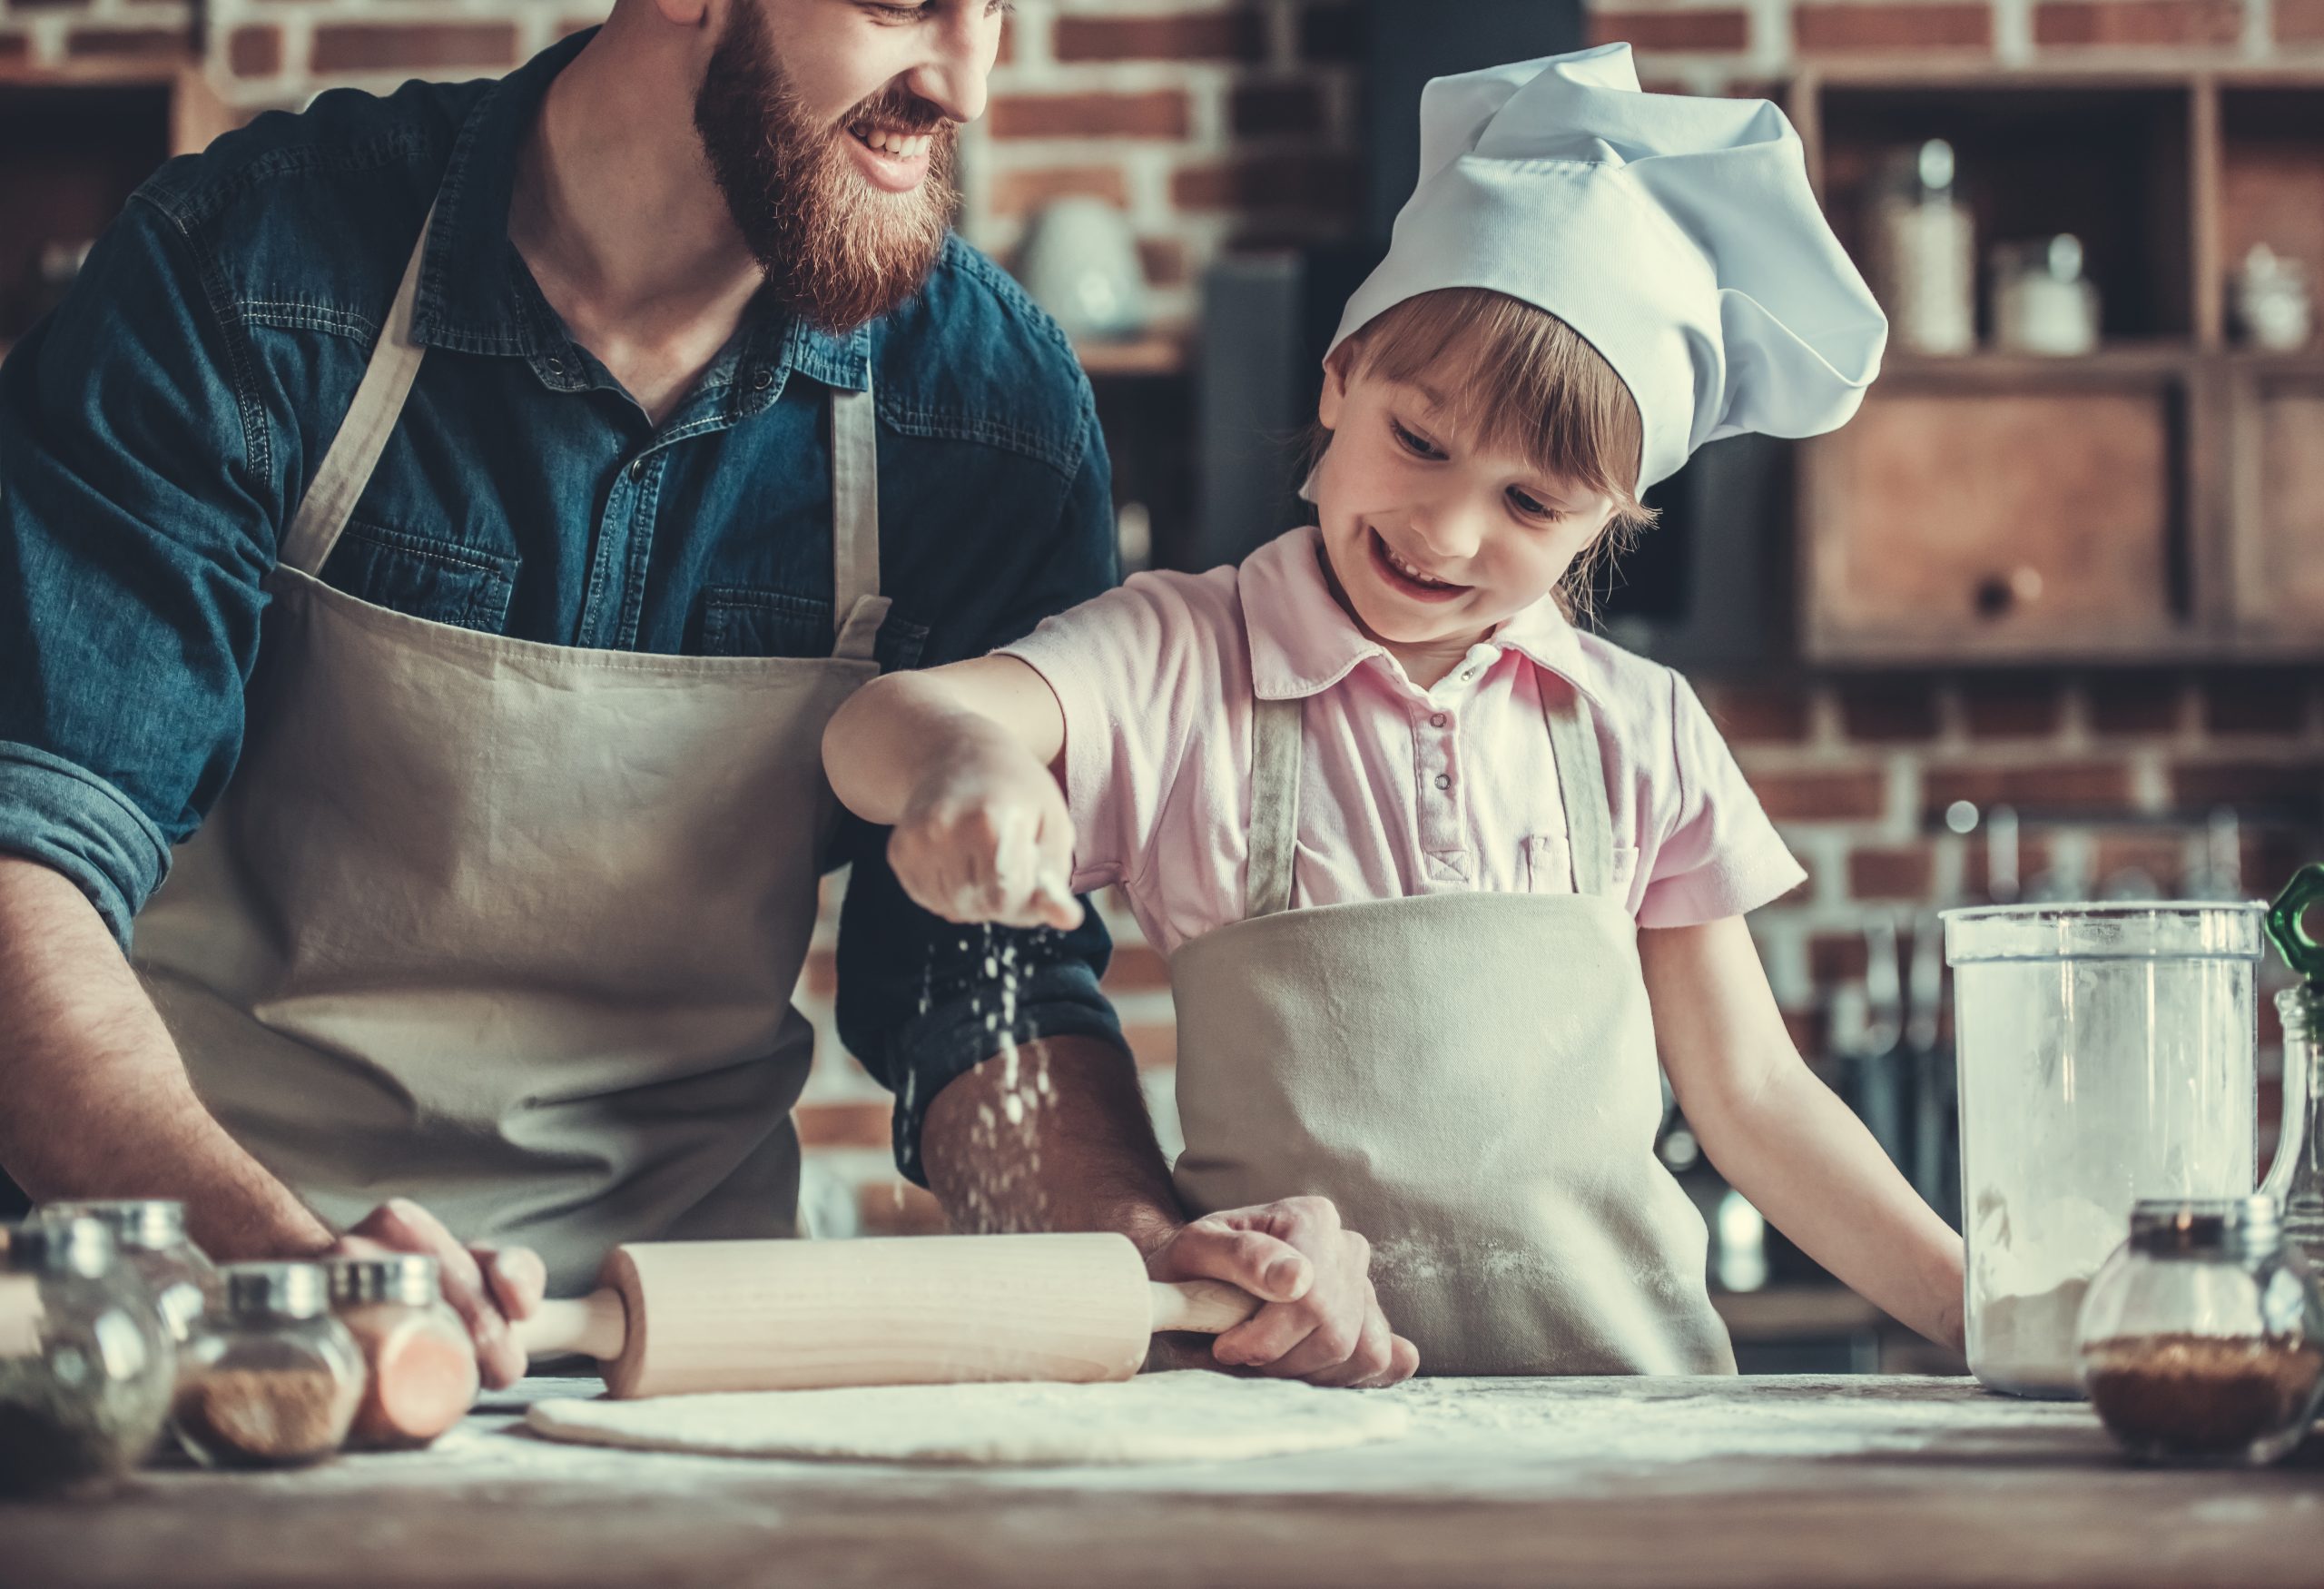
1471	1078
508	928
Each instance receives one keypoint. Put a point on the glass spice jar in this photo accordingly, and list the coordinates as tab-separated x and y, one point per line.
150	1233
2202	1338
422	1365
85	1366
276	1378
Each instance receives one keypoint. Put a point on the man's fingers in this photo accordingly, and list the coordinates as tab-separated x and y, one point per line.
1369	1359
404	1226
1262	1341
1267	1267
515	1277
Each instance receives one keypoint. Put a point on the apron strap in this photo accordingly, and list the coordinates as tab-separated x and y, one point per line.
363	435
1275	806
858	608
1581	783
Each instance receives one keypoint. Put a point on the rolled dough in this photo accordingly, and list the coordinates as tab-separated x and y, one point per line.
1186	1415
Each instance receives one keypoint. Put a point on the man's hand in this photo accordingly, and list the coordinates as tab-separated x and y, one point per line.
489	1288
986	836
1322	1322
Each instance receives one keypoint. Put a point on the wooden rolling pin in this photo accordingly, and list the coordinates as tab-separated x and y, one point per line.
670	1319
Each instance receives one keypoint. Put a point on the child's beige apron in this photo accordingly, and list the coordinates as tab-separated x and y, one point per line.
510	928
1471	1078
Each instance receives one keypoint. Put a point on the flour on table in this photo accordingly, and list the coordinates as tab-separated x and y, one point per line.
1189	1416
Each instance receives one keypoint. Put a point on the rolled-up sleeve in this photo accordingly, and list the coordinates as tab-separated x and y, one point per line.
921	1001
137	513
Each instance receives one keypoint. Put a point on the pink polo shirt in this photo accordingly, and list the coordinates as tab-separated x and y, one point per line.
1403	791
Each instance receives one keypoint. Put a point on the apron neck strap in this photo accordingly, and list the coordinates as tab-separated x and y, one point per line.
363	434
857	608
1274	794
1581	783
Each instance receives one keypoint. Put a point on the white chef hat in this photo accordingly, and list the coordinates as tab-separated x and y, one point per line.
1678	235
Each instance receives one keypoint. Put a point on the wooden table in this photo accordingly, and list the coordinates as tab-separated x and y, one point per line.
1797	1482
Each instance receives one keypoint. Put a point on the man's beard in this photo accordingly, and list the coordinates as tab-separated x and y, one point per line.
836	249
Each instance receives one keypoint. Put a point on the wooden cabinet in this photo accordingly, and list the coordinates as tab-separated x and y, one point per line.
2160	499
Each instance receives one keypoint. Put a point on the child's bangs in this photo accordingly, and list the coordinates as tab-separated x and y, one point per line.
1516	379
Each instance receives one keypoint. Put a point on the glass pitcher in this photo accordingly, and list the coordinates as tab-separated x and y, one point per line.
2108	1054
2302	1011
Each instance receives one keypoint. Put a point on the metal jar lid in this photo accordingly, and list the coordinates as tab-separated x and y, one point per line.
410	1279
147	1224
48	1244
274	1290
2206	1227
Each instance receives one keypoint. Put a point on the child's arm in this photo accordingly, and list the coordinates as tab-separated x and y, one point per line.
1782	1139
958	760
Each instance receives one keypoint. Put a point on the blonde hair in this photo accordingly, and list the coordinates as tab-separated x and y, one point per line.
1520	381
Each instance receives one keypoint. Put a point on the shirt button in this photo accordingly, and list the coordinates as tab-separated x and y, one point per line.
1445	780
762	381
556	367
1437	721
636	468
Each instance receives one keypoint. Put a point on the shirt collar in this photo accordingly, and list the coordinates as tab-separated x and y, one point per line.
1303	642
476	296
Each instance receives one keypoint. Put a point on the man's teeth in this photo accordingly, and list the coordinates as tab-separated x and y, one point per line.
902	145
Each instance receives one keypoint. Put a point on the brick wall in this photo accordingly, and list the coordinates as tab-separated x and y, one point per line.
1216	123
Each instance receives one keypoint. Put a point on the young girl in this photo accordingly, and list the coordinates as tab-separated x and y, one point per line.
1440	874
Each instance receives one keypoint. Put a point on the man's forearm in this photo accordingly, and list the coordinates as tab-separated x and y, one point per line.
1076	1153
94	1102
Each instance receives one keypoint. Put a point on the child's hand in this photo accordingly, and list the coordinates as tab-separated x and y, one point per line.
987	837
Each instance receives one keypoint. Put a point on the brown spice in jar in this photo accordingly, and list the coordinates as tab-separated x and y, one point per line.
267	1416
2200	1394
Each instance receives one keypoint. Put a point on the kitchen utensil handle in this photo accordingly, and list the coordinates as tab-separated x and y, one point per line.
596	1326
1203	1306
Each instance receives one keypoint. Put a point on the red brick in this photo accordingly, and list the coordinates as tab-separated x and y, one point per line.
1892	874
2299	22
2160	852
1161	113
413	47
2199	786
2012	708
1153	1043
2134	703
1238	35
898	1208
1847	29
2258	702
822	972
1334	31
1888	710
2068	24
858	1124
1256	110
1758	714
1304	182
255	52
114	44
15	46
1837	957
1166	261
1021	192
2069	786
1137	968
1673	30
1822	796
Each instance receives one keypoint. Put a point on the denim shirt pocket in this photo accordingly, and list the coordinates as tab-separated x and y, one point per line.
423	577
740	620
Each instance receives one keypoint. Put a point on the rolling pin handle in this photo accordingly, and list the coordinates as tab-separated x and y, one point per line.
1203	1306
596	1326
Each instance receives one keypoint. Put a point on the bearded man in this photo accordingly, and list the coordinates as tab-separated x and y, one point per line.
435	532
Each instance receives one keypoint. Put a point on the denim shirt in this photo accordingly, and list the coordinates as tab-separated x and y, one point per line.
158	430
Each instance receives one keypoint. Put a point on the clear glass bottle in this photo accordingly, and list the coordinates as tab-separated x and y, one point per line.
2107	1053
151	1234
422	1363
2202	1338
85	1366
276	1378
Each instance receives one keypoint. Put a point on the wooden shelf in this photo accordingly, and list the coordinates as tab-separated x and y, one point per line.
1154	355
2152	502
